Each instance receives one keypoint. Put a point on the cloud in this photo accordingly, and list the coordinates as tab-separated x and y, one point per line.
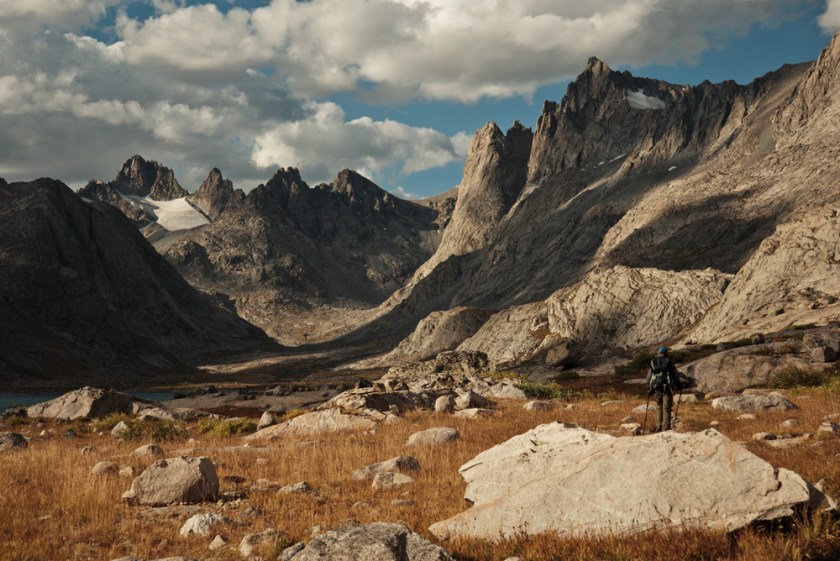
403	194
830	20
362	144
21	15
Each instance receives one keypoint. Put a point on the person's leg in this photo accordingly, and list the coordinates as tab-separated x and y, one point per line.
658	426
665	410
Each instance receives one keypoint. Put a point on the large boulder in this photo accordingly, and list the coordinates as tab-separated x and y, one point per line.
314	423
84	403
394	465
379	541
742	403
563	479
737	369
174	481
10	440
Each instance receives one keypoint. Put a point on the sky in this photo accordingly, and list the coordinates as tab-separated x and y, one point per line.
394	89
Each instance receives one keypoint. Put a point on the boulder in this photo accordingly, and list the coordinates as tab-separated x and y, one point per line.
120	429
823	345
474	413
397	464
468	399
433	436
174	481
12	440
444	404
560	478
562	354
313	424
539	406
201	524
379	541
84	403
301	487
771	402
737	369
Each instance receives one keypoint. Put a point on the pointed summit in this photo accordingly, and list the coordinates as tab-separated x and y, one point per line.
213	194
597	66
147	179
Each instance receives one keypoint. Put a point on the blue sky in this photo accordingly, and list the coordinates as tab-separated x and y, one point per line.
392	88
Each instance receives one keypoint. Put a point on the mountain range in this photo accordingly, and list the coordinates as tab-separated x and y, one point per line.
637	213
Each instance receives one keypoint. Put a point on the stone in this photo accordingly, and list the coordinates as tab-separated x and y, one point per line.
562	354
444	404
288	553
690	397
743	367
201	524
218	542
148	450
789	440
127	472
120	429
644	408
105	468
379	541
251	542
632	428
620	491
265	486
789	423
314	423
84	403
390	480
433	436
294	488
89	451
745	417
474	413
396	464
266	420
505	390
823	345
762	436
470	400
12	440
768	402
174	481
539	405
828	427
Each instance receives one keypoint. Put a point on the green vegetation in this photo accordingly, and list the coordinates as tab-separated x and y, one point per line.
105	424
638	365
506	375
227	427
155	431
566	375
792	377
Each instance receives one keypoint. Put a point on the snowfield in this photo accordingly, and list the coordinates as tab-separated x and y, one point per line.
638	100
177	214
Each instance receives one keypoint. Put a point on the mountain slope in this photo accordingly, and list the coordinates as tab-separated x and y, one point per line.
85	297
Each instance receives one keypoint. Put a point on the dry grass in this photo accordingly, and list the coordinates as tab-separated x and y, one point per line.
51	508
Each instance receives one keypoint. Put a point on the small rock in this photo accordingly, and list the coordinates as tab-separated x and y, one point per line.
250	542
789	423
201	524
403	503
474	413
268	419
218	542
390	480
433	436
262	461
471	400
265	486
789	441
644	408
761	436
632	428
828	427
105	468
89	451
127	471
751	402
746	417
120	429
538	406
397	464
10	440
611	402
300	487
148	450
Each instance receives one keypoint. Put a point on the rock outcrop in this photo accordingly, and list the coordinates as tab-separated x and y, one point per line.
313	424
84	295
564	479
175	481
147	179
12	440
213	194
378	541
84	403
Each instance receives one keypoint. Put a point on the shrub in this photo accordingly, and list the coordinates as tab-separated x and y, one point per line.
292	413
791	377
158	431
16	421
551	390
105	424
506	375
566	375
227	427
639	364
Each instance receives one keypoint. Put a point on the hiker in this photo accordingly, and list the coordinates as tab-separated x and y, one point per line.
662	379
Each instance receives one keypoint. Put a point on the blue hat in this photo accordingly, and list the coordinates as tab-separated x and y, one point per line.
662	350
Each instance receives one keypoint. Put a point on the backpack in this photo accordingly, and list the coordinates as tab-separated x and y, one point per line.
659	373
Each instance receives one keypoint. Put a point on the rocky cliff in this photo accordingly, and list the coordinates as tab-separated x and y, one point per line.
214	194
85	296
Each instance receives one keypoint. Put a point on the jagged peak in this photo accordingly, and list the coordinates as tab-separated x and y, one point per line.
597	66
353	183
286	175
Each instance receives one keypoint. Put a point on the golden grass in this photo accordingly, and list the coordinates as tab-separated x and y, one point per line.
51	508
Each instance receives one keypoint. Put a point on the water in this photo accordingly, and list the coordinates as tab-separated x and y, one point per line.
26	399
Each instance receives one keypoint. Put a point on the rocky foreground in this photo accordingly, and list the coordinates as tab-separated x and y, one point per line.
373	472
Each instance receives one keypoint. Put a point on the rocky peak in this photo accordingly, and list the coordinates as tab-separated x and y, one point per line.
213	194
147	179
3	182
494	176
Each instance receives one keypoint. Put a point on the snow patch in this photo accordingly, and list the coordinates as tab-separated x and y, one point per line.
177	214
638	100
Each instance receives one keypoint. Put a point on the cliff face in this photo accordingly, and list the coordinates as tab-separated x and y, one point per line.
147	179
214	194
84	295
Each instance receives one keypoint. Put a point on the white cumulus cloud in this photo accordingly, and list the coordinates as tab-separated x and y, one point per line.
830	19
